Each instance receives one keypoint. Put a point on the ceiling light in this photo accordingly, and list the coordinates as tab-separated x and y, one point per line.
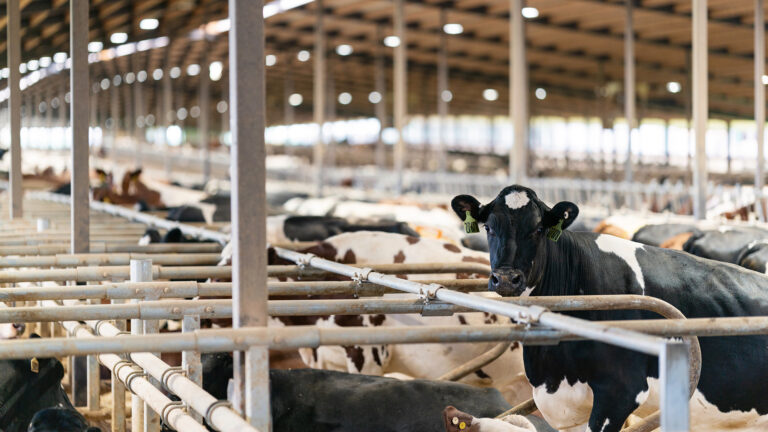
95	46
374	97
45	62
295	99
118	38
149	24
540	93
344	49
60	57
141	76
157	74
193	69
130	77
453	28
674	87
490	94
303	55
345	98
33	65
530	12
221	107
446	95
175	72
392	41
270	60
215	70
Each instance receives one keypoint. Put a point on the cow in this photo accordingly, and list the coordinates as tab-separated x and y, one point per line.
457	421
25	394
755	256
657	234
288	228
724	244
322	400
173	235
599	385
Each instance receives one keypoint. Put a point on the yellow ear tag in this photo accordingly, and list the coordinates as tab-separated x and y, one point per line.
556	231
34	365
455	420
462	425
470	224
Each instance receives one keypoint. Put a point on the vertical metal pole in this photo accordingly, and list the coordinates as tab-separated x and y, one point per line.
728	142
48	116
249	261
330	113
117	387
666	142
319	99
190	360
80	88
138	111
14	106
63	107
700	107
400	101
759	105
167	119
629	87
140	271
203	120
93	377
114	113
289	117
518	93
442	87
673	375
381	107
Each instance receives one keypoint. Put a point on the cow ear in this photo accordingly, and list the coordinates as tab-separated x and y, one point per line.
563	211
463	203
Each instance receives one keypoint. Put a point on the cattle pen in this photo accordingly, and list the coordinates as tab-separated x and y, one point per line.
89	283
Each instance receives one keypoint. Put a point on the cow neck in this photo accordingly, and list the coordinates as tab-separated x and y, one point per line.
563	264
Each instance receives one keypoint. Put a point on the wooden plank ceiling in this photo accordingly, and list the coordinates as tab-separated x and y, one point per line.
574	50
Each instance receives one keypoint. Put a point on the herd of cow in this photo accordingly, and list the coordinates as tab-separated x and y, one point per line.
703	269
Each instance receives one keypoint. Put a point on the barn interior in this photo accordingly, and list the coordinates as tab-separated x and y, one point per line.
205	200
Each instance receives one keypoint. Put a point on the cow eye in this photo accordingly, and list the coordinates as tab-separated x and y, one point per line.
488	229
539	230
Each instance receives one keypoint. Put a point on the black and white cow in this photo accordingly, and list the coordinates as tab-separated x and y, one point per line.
724	244
578	383
27	397
288	228
755	256
655	235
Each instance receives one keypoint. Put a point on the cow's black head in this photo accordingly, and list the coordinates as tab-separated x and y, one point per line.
517	223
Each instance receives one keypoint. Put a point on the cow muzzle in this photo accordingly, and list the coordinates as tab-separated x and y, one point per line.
507	282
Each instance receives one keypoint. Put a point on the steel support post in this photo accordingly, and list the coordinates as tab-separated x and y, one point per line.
759	106
203	121
79	96
318	99
700	107
442	87
675	391
190	360
400	87
167	119
248	154
138	112
518	93
14	107
118	388
381	107
629	87
140	271
114	113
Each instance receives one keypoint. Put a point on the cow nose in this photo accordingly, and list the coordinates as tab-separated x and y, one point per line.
506	282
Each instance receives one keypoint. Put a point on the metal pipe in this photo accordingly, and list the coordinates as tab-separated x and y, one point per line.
700	106
318	101
416	268
471	366
95	259
139	385
442	88
400	105
759	106
79	89
629	87
204	95
15	206
104	247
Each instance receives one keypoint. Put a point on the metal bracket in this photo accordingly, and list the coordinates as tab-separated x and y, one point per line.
121	364
169	407
168	373
304	260
430	293
131	375
211	408
362	276
533	316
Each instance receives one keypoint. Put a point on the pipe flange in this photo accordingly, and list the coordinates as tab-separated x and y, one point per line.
136	373
169	407
211	408
168	373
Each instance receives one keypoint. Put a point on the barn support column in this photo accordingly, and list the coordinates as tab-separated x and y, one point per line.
700	107
14	106
63	106
318	99
666	142
629	88
289	115
759	105
114	114
48	115
79	96
518	93
203	121
138	113
167	119
381	107
442	87
330	113
400	102
249	261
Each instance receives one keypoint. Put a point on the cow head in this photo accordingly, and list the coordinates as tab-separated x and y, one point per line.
517	225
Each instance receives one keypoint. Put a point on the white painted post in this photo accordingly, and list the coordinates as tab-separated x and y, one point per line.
442	87
190	360
140	271
203	120
518	93
319	99
381	107
700	107
400	97
629	87
14	107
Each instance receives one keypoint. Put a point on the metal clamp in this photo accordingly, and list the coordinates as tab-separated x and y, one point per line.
98	325
209	412
168	408
121	364
362	275
532	317
305	260
430	293
168	373
131	375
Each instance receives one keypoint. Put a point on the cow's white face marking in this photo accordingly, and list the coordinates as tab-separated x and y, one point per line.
8	331
568	407
516	200
705	416
144	240
625	250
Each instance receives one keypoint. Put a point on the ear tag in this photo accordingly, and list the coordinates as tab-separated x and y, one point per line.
470	224
554	232
34	365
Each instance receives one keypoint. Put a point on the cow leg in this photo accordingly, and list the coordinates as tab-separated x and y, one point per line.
610	410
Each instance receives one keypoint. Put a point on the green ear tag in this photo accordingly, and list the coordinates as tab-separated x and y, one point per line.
555	232
470	224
